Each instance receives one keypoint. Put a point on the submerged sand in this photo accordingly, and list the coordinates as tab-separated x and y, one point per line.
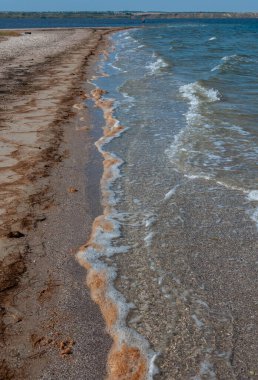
50	328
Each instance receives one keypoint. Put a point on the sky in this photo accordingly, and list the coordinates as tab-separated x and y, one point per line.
144	5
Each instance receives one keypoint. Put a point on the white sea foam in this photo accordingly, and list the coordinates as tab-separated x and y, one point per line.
232	187
156	65
221	183
153	370
150	221
224	60
194	92
253	195
207	369
104	248
198	176
219	145
148	239
171	192
229	57
212	38
216	68
239	130
197	95
254	216
197	321
115	67
182	147
128	98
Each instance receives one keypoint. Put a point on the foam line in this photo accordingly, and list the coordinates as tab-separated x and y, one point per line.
130	357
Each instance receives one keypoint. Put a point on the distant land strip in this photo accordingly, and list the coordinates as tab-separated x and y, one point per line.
132	15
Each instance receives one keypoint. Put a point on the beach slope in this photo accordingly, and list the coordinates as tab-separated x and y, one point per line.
50	328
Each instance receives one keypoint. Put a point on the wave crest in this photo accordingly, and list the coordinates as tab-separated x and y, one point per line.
231	63
155	66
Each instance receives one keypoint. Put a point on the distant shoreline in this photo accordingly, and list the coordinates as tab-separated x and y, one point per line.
132	15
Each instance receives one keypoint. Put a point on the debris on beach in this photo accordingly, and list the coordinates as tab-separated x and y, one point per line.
72	190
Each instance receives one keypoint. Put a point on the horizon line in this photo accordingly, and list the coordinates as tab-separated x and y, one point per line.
121	11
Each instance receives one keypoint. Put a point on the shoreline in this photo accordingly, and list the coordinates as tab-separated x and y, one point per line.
171	256
50	326
111	29
186	258
131	355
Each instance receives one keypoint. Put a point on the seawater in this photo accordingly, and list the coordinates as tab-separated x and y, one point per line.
185	199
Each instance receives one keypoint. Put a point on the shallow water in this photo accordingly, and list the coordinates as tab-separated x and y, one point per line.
185	194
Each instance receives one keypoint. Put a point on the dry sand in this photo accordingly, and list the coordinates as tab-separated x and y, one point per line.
50	328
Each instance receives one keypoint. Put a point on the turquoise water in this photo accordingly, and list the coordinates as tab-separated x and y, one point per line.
186	197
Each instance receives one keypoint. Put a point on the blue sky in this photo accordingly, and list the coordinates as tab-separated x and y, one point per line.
99	5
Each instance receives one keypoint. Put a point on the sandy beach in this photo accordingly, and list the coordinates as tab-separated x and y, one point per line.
50	328
129	203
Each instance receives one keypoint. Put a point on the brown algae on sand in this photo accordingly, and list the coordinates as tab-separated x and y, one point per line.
130	357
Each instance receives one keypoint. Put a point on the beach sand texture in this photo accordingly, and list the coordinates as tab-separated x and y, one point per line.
50	328
171	284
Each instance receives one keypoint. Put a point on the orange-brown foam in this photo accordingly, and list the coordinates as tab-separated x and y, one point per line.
83	262
107	103
91	244
97	282
98	93
109	162
124	362
106	225
114	131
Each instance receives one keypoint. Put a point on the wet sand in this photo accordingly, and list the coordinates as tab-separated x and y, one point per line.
50	328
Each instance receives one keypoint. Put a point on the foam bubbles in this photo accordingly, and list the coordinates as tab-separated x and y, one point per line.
196	93
253	195
229	57
115	67
230	61
197	321
100	276
155	66
216	68
170	193
148	239
198	97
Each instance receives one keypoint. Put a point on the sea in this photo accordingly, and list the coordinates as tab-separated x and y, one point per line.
178	237
182	195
